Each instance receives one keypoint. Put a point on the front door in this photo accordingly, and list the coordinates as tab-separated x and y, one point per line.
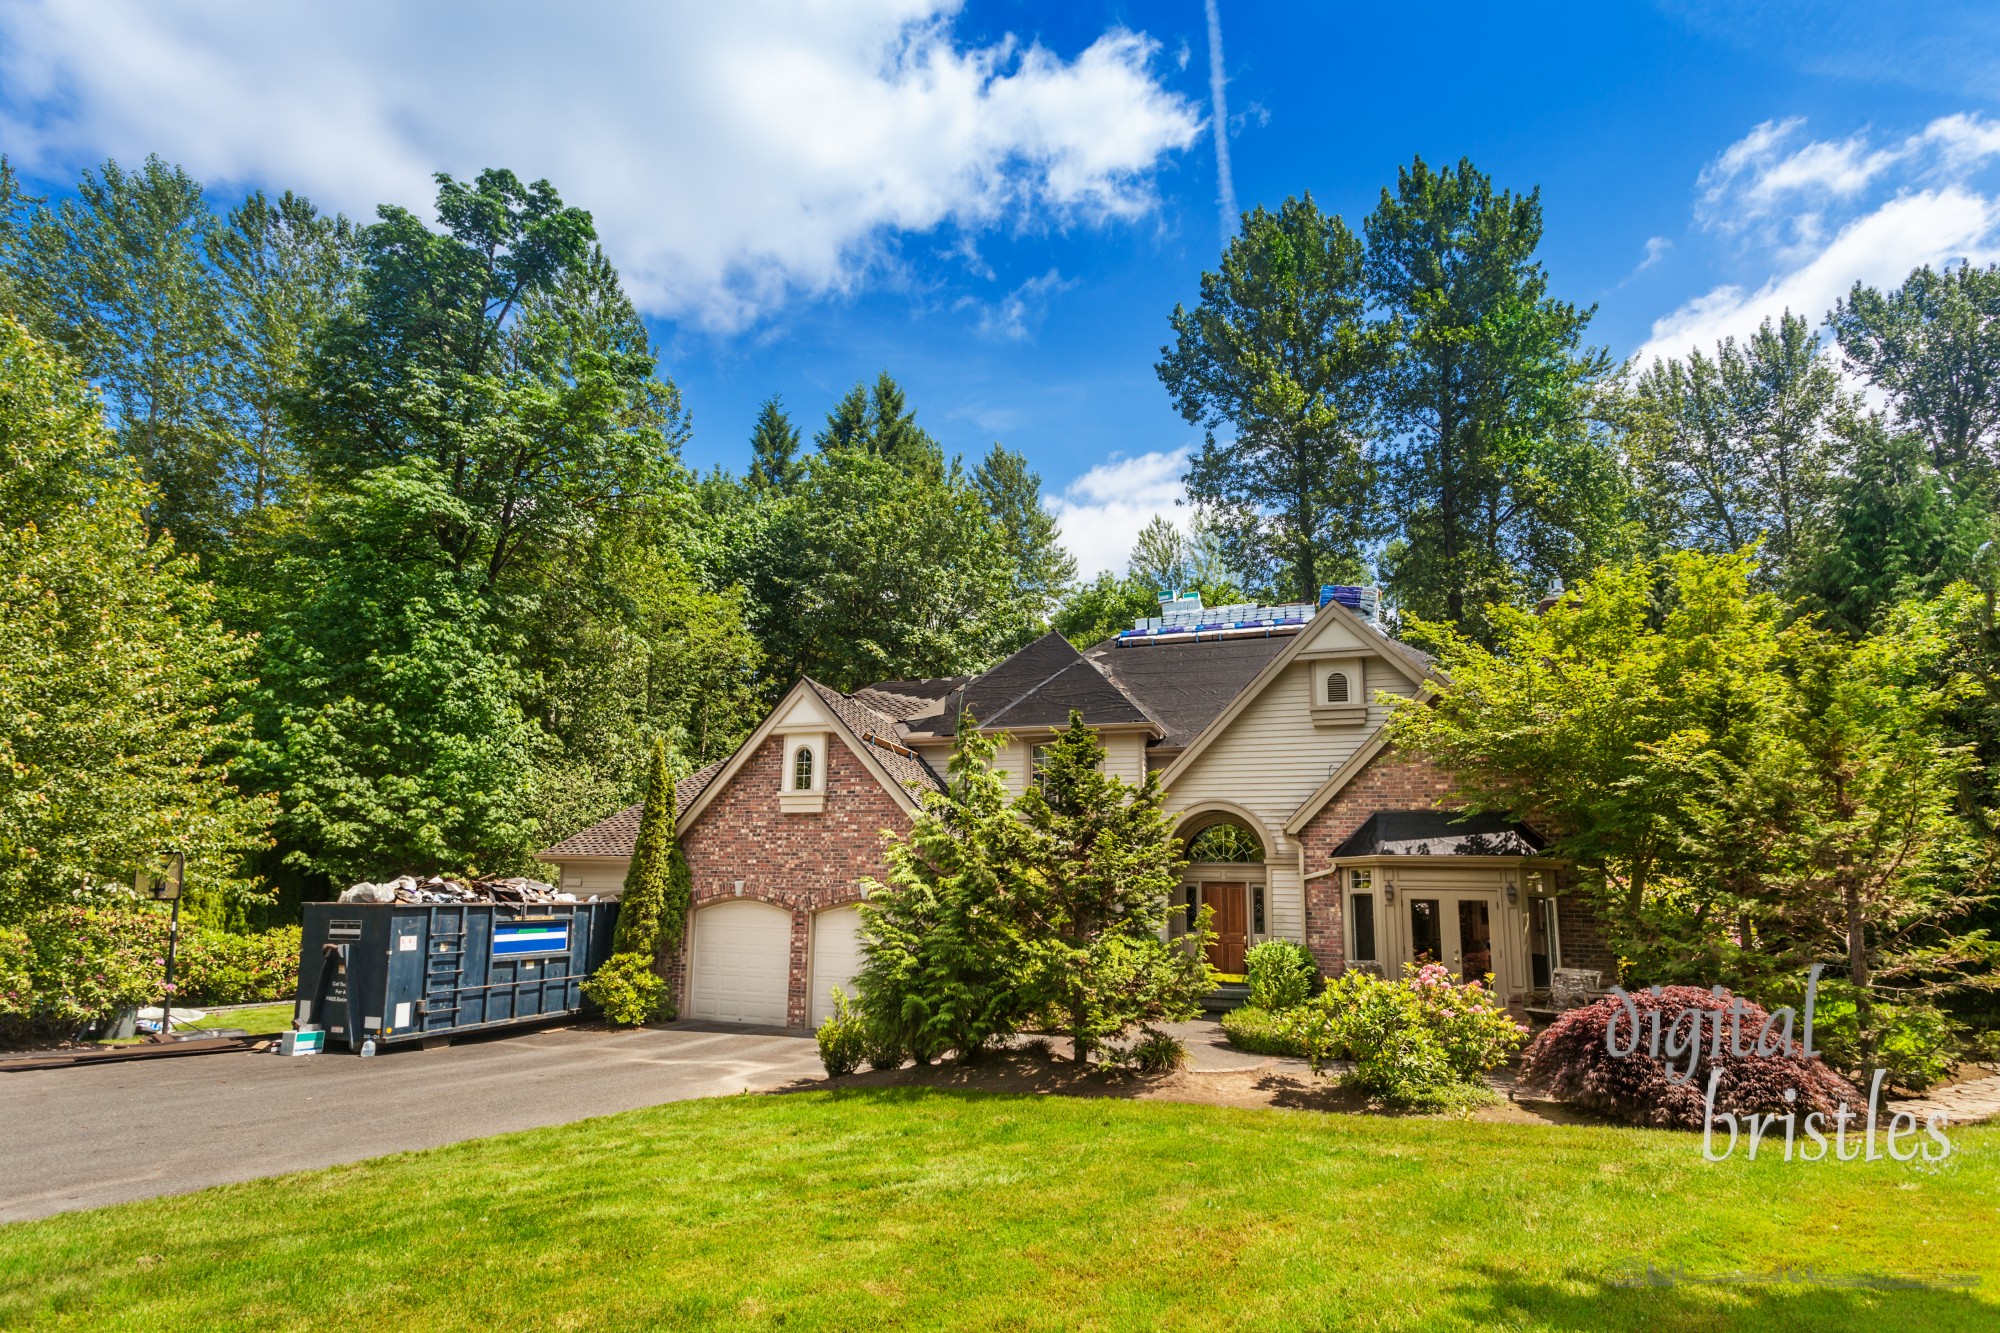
1453	929
1231	925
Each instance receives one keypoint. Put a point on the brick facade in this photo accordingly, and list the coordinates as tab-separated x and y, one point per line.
1390	781
1580	937
802	862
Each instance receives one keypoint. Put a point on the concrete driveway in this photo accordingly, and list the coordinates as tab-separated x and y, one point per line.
90	1136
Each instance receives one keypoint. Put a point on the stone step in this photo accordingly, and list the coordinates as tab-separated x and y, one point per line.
1229	995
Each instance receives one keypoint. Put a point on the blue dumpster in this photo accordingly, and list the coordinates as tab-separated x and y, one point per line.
405	971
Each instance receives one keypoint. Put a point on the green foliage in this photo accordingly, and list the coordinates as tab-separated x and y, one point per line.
658	886
1741	795
1423	1043
388	715
1155	1053
1012	495
1102	860
1891	531
843	1038
774	449
1280	351
66	968
878	421
223	967
1262	1032
1107	605
1499	471
870	570
652	910
1933	346
1282	975
629	990
116	727
945	958
1740	447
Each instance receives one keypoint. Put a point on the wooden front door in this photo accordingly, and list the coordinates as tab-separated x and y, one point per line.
1231	924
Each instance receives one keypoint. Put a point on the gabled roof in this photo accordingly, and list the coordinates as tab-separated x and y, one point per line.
618	835
1037	686
1414	665
868	732
903	699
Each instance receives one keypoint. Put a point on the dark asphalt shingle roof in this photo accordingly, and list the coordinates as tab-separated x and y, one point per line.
1037	686
1185	686
878	731
618	835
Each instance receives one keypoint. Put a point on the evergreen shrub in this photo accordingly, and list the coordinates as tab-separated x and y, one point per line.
1282	975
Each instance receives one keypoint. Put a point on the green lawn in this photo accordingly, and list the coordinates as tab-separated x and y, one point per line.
258	1022
907	1208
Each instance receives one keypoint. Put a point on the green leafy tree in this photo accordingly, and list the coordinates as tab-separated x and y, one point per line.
1103	860
1742	793
282	270
116	724
502	351
1498	469
868	570
1012	493
1933	346
1743	446
944	958
1892	530
1107	605
774	449
1168	560
388	706
1280	354
119	277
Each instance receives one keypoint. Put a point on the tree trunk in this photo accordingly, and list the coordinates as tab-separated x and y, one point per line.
1857	970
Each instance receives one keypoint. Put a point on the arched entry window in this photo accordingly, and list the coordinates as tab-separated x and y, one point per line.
802	769
1227	843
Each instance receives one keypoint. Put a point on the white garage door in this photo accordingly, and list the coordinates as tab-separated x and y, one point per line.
742	963
836	958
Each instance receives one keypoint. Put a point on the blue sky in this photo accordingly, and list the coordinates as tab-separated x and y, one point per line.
1001	202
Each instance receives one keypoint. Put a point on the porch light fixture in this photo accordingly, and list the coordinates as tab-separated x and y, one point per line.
1389	891
1513	890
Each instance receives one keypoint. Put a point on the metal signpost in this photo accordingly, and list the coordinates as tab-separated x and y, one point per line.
160	879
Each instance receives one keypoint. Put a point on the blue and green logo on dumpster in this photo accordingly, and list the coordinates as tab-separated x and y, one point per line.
511	939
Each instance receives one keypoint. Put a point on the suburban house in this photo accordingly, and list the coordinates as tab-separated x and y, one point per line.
1267	727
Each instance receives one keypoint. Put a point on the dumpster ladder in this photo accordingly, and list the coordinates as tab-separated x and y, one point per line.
444	968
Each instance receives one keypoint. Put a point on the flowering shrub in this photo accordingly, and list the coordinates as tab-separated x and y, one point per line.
1281	974
1421	1042
64	970
1667	1089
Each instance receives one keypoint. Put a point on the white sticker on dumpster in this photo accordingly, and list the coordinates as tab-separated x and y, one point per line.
406	944
403	1014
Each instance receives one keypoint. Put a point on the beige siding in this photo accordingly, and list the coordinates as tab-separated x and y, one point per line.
1271	758
585	878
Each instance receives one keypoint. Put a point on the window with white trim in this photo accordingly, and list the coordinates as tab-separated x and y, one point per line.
804	767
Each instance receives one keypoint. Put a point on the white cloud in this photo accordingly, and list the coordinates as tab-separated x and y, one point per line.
733	155
1656	250
1020	312
1856	214
1102	511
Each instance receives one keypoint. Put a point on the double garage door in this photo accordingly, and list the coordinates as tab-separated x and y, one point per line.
741	962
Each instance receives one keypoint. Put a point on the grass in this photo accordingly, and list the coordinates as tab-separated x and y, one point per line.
913	1208
258	1022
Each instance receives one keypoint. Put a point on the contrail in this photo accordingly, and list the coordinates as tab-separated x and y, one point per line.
1225	196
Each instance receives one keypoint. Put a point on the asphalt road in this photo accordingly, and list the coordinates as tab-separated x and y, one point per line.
88	1136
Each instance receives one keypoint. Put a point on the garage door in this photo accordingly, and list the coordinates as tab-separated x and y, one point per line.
836	957
741	962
